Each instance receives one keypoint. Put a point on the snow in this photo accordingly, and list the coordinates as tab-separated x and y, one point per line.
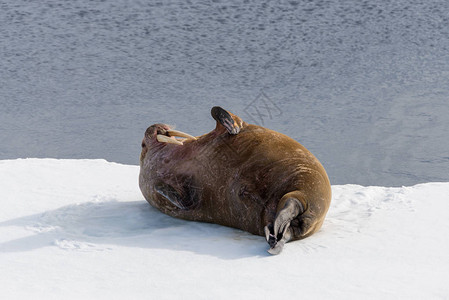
72	229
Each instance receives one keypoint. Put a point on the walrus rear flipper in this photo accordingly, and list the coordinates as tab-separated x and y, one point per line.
183	202
279	233
224	118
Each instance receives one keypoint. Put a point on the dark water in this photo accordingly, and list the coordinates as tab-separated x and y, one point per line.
363	84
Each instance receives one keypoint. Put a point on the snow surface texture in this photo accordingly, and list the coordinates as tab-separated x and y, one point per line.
80	229
362	84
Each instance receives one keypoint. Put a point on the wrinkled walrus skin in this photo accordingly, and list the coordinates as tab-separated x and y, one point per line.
238	175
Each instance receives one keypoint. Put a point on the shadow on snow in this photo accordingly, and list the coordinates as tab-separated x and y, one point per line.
97	226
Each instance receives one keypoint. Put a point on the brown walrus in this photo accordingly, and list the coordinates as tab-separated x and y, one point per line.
238	175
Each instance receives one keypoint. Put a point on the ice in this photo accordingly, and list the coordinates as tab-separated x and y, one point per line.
81	228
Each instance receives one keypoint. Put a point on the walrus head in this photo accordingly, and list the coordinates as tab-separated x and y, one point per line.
158	135
171	161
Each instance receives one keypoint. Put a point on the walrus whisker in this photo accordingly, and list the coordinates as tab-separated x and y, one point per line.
166	139
172	132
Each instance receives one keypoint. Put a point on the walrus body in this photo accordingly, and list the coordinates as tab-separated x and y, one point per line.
238	175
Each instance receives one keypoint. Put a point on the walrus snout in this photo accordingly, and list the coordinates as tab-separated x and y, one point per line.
162	133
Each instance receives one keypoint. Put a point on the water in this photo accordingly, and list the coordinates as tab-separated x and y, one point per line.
362	84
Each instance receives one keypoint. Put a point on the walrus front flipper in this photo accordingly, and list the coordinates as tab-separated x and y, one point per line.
183	202
224	118
279	233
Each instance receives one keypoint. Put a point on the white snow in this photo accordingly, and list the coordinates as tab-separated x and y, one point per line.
80	229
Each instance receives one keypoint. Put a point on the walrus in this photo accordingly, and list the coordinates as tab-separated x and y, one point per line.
238	175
